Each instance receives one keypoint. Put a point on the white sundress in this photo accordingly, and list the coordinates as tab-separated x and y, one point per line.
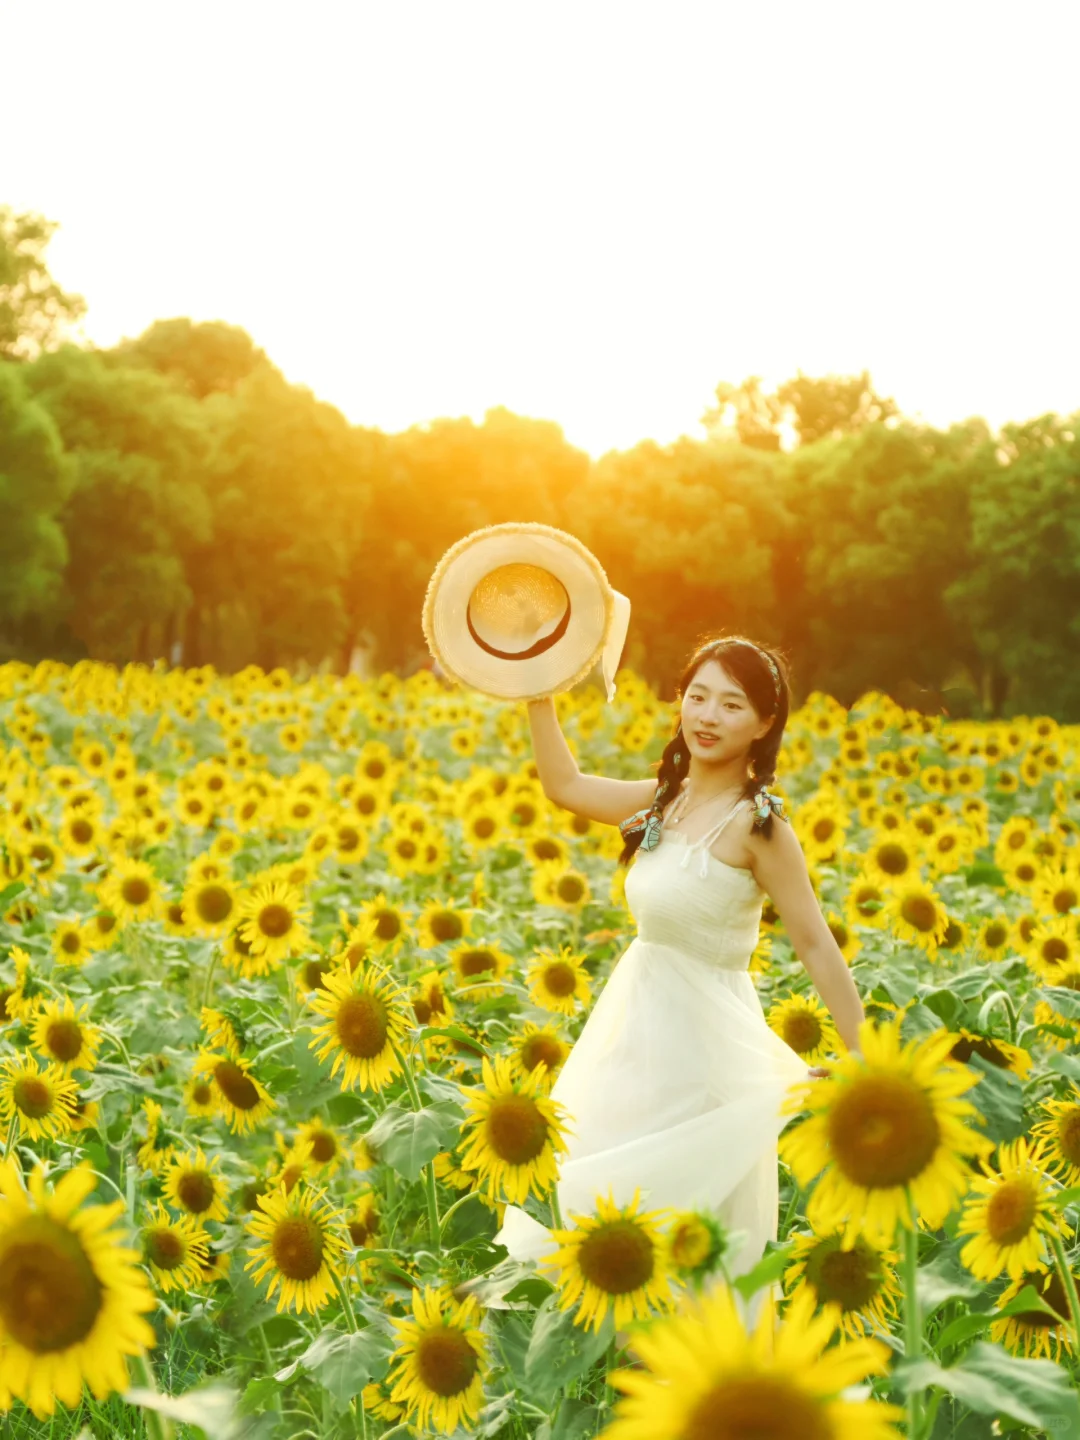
676	1082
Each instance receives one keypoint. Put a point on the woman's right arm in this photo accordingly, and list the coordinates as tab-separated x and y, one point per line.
595	796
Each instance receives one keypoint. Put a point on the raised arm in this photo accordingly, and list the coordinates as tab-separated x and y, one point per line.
608	801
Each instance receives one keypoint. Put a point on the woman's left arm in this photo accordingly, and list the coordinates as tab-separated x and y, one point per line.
780	868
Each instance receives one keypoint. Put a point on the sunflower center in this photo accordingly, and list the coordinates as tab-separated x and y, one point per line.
388	925
569	888
1068	1135
71	944
323	1146
201	1093
893	859
348	838
1011	1212
445	925
474	962
275	920
298	1247
802	1031
135	890
920	912
1055	950
195	1191
483	827
996	936
617	1257
823	829
362	1229
560	979
546	849
50	1296
516	1130
313	972
164	1248
883	1131
850	1277
82	832
445	1361
214	904
690	1245
32	1096
361	1025
63	1039
235	1085
539	1048
1052	1291
766	1407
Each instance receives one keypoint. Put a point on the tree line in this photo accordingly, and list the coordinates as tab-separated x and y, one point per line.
174	497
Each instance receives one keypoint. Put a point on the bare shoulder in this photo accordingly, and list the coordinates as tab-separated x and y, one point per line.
769	857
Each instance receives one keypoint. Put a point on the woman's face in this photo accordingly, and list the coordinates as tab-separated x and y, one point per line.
718	720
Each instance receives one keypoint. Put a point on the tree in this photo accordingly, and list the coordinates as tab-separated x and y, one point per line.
208	358
748	412
833	405
35	479
34	311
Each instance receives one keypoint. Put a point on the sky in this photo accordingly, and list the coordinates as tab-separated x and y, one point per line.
587	212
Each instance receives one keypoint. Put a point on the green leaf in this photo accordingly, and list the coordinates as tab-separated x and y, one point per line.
407	1139
943	1279
1064	1198
1065	1002
999	1098
990	1381
576	1420
343	1363
212	1408
1064	1064
559	1351
985	873
533	1290
769	1268
965	1326
9	892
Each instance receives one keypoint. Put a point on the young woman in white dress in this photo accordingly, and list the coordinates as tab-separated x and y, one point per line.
676	1081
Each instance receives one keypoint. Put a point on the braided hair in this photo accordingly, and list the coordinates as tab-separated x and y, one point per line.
746	662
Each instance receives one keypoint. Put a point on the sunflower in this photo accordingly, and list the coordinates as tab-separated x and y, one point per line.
478	965
483	826
993	938
893	856
994	1051
101	929
545	849
704	1375
805	1026
70	944
71	1293
210	905
223	1032
441	922
859	1280
865	901
191	1183
368	1016
917	915
131	891
241	1096
174	1249
1007	1214
512	1133
1060	1130
696	1244
615	1258
273	917
538	1045
200	1096
215	1267
888	1117
558	982
376	1399
155	1152
440	1361
561	886
363	1220
41	1100
430	1002
63	1036
301	1250
1032	1333
323	1148
1055	944
390	923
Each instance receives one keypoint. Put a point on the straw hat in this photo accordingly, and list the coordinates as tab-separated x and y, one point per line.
523	611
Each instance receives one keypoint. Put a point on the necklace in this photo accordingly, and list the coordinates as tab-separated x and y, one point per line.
679	811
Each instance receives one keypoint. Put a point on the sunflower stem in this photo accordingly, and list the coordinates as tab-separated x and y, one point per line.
609	1365
157	1426
10	1135
210	975
1068	1282
455	1206
556	1212
429	1169
346	1302
912	1318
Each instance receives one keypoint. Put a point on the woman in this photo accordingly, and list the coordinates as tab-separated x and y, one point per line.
676	1082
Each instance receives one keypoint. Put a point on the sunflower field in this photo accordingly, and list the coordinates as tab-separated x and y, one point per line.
288	967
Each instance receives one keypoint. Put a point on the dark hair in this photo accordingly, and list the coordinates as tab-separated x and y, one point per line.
744	660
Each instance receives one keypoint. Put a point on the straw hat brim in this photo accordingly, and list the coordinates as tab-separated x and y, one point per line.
594	627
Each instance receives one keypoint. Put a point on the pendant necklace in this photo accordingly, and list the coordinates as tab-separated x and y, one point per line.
679	811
